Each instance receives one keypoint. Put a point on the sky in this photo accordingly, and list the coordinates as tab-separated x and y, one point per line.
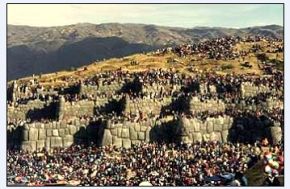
176	15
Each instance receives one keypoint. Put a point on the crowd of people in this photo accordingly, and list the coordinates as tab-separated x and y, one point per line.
222	48
198	164
164	84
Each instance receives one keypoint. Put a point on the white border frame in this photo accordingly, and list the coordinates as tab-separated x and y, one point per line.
3	141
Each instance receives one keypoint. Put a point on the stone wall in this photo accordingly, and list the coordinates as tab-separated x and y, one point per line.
88	89
101	102
126	133
205	88
156	88
69	128
80	108
250	89
37	135
269	104
102	88
196	105
274	103
20	111
216	129
146	105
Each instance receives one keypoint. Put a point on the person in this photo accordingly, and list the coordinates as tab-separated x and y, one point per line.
272	181
241	178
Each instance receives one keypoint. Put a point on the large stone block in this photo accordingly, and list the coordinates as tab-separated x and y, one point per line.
55	132
42	126
67	140
72	129
33	134
48	126
133	133
25	134
225	135
36	125
226	126
119	131
29	146
227	120
141	136
220	120
41	134
76	122
47	143
117	142
114	131
209	126
57	125
215	136
147	133
48	132
27	126
61	132
186	139
126	143
137	127
188	126
63	125
276	134
203	128
206	137
197	136
109	125
40	144
55	142
218	127
143	128
66	131
196	126
135	142
125	133
107	138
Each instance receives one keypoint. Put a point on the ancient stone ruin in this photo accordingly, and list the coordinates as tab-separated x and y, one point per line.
129	111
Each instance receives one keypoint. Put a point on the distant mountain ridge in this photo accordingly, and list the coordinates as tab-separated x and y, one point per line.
34	50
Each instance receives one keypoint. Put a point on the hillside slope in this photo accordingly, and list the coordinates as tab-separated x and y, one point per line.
35	50
145	61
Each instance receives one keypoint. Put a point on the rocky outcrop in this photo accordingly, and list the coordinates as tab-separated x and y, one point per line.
275	134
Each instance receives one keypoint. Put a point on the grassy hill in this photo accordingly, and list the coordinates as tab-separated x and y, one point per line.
35	50
168	61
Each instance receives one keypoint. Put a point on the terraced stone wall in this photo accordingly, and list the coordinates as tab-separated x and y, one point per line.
210	105
20	111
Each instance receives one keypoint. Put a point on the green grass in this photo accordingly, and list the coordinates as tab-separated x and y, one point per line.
226	66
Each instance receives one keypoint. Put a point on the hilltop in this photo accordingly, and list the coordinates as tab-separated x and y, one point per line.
35	50
187	64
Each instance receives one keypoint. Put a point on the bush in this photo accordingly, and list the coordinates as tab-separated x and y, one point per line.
279	64
262	57
227	66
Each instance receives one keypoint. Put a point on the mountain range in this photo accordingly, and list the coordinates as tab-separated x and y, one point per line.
37	50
